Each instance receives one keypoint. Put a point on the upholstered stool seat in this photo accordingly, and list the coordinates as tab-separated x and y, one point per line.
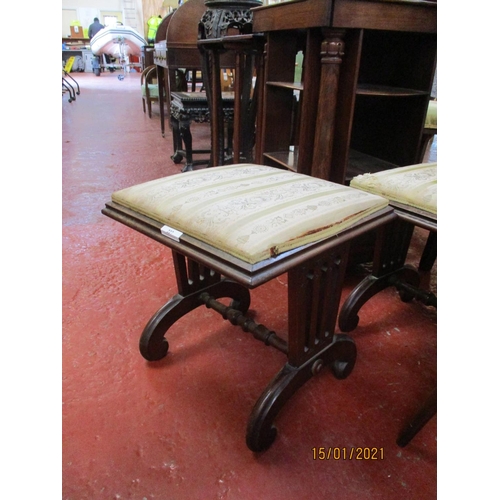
412	191
413	186
430	128
431	120
236	227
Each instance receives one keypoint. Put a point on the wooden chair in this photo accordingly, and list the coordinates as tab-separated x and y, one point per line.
149	88
188	107
179	52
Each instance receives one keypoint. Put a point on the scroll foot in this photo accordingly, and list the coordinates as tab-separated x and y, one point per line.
340	355
153	345
370	286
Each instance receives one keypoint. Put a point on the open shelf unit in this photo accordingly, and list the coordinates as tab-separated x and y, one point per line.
364	88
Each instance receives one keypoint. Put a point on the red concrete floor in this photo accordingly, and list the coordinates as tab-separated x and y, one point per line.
175	429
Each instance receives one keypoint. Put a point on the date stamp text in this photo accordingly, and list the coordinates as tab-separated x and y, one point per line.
344	453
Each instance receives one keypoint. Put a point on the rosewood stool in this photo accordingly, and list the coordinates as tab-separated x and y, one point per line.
233	228
412	192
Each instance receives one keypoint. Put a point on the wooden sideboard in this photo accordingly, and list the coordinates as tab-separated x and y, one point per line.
367	73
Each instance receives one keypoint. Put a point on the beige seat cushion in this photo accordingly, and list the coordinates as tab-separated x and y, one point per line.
431	118
250	211
415	185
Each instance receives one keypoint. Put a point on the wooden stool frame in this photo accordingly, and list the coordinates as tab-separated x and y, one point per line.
389	269
315	278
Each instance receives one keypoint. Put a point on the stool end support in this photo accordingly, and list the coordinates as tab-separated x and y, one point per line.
345	354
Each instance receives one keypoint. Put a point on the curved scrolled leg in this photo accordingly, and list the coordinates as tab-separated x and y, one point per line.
344	354
340	356
419	420
176	157
370	286
365	290
153	345
260	431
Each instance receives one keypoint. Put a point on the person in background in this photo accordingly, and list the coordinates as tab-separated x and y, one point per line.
95	27
153	23
96	63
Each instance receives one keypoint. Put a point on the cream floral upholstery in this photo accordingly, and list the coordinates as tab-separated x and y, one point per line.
431	118
250	211
415	185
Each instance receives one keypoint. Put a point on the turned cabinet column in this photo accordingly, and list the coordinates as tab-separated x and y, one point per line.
332	51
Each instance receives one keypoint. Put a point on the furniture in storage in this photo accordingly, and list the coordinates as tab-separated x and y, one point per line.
179	52
188	107
247	52
233	228
225	34
412	192
368	68
149	88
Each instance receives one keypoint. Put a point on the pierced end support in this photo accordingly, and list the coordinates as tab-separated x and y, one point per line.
340	356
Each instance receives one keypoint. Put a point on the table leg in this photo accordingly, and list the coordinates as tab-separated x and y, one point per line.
192	280
314	294
389	269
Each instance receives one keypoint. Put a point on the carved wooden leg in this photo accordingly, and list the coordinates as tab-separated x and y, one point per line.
192	280
161	100
429	254
313	301
211	79
332	51
370	286
421	418
187	139
393	241
261	433
177	141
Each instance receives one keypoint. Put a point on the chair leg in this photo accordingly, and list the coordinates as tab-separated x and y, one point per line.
187	139
429	254
419	420
393	241
143	105
177	141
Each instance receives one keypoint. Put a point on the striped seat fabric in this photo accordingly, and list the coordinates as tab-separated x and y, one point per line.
252	212
414	185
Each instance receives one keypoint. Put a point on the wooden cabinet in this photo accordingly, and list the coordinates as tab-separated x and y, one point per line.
367	73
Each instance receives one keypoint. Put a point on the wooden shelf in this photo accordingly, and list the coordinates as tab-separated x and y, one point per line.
371	98
286	159
286	85
385	90
361	163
